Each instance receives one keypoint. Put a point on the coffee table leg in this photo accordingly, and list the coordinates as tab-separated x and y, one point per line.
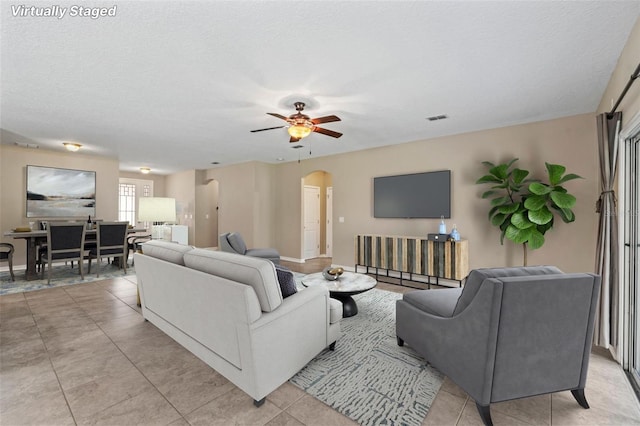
349	307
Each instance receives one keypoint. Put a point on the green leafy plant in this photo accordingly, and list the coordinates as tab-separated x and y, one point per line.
525	208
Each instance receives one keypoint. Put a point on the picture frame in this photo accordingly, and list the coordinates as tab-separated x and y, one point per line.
59	192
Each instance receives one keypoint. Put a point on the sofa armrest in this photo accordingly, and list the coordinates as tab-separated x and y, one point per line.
463	346
285	340
290	304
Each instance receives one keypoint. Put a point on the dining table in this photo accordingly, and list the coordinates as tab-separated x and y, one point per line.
36	237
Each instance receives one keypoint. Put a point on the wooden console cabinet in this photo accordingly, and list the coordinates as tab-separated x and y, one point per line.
414	255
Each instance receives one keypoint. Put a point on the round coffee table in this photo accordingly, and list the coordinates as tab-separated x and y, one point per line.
343	288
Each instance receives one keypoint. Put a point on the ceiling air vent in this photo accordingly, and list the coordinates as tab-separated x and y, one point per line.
437	117
297	146
27	145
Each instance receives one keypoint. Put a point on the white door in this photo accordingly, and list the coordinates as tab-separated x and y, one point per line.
311	221
329	232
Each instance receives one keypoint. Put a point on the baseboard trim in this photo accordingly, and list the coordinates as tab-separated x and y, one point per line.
292	259
346	268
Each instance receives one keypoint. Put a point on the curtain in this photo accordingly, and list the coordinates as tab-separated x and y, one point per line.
606	326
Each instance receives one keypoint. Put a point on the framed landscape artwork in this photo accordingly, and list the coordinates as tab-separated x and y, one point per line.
54	192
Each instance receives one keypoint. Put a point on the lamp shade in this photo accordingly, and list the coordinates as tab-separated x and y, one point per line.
156	209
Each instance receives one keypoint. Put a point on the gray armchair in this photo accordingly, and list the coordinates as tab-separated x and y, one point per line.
510	333
233	243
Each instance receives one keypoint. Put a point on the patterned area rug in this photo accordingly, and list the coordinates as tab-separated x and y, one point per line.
369	378
61	275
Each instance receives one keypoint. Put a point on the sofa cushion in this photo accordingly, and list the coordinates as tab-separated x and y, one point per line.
165	250
440	302
477	276
335	311
286	280
237	243
258	273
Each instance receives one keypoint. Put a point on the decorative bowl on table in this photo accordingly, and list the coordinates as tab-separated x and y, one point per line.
332	274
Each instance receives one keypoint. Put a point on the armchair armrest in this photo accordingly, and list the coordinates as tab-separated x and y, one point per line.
463	346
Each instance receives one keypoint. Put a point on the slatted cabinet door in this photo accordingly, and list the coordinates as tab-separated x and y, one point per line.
443	259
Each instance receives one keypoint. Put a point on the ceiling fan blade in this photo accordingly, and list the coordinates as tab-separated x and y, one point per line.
268	128
281	117
327	132
292	140
327	119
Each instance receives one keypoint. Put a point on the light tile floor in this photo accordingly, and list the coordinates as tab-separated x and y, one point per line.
82	354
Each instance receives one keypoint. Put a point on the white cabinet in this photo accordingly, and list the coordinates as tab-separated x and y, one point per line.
180	234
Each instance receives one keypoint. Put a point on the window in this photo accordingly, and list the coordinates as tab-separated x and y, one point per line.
127	203
630	241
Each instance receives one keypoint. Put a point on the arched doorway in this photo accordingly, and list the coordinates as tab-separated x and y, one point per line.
317	220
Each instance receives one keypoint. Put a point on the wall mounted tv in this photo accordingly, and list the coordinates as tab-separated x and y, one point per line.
418	195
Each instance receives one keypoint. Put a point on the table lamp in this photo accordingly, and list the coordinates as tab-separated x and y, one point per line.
157	210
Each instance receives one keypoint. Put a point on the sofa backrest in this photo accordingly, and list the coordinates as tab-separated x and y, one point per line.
477	276
165	250
255	272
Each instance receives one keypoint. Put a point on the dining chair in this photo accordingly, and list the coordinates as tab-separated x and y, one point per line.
134	242
65	241
111	241
6	253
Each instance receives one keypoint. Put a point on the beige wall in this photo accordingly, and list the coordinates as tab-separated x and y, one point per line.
206	215
182	187
13	162
627	63
569	141
247	201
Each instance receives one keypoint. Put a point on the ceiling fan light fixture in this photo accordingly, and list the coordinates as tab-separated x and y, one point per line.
299	130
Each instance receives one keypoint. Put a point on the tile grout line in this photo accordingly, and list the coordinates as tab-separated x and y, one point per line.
462	410
178	411
140	371
120	350
53	368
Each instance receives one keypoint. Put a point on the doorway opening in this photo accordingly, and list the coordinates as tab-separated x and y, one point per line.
317	215
207	214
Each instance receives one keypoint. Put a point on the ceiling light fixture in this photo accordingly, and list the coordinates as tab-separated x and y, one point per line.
301	129
145	170
73	147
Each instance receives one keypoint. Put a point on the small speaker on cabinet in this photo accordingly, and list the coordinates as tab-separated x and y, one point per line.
438	237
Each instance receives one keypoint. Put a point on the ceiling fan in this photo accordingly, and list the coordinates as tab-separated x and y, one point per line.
300	125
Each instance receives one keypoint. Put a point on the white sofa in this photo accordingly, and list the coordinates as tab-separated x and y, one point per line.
228	310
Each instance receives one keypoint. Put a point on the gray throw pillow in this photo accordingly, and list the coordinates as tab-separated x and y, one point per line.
237	243
286	281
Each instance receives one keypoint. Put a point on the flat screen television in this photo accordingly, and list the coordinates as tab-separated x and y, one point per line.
418	195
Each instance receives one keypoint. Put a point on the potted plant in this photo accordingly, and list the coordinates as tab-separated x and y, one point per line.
524	208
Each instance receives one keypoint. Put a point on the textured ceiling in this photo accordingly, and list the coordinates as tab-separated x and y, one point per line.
176	85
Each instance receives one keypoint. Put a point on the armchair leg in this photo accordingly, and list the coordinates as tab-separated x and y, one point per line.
485	414
259	403
332	347
578	394
400	341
